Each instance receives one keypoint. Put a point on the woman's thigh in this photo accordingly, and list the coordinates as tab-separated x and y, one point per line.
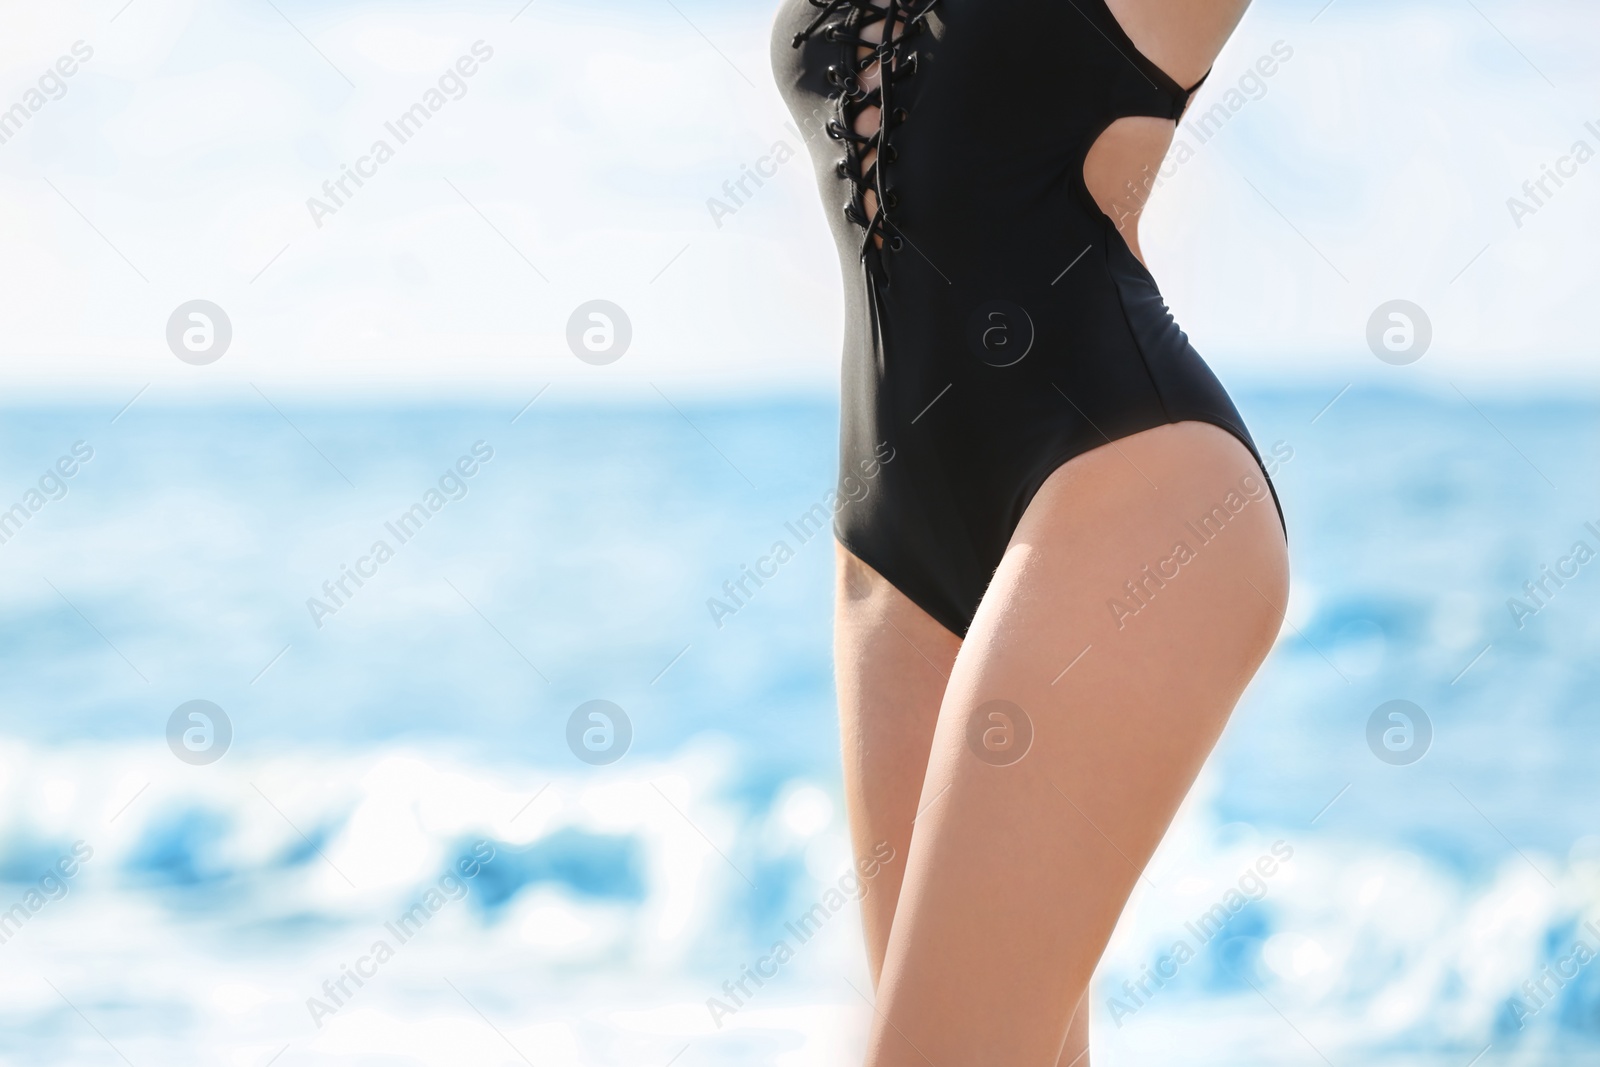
1139	594
891	664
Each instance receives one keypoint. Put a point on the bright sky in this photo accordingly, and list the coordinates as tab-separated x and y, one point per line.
576	161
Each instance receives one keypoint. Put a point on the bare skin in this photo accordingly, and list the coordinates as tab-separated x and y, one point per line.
1182	37
969	945
1015	876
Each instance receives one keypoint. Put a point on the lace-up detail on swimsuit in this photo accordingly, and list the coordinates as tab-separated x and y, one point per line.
901	21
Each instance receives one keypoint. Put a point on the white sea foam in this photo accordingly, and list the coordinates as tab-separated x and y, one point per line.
202	879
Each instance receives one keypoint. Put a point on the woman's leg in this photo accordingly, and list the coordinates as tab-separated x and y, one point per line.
893	661
1017	874
891	664
1075	1050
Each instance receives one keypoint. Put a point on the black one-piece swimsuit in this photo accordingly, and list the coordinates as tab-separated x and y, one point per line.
996	322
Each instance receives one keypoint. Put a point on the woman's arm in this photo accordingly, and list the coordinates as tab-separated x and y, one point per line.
1182	37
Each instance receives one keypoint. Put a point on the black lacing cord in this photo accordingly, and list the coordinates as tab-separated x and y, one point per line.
910	14
826	10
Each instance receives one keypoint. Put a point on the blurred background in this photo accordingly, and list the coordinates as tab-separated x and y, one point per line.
274	794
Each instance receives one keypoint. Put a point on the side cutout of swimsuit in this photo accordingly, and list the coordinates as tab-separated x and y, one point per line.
1182	38
1122	169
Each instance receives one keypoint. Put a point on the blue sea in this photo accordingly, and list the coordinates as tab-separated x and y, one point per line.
399	832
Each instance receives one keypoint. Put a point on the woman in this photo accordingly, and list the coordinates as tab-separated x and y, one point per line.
1066	570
